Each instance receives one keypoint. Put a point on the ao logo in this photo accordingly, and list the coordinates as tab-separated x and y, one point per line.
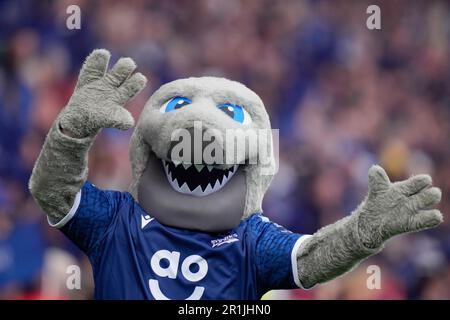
171	271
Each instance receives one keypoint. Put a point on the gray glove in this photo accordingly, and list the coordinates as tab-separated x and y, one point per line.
389	209
97	102
99	97
395	208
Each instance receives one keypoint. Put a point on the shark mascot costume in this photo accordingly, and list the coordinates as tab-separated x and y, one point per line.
191	230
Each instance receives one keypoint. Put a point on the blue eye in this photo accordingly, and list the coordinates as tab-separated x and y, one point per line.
175	103
235	112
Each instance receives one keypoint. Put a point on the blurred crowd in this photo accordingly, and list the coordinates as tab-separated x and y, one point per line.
344	97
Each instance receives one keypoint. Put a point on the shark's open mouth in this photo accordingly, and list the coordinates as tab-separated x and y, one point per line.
197	180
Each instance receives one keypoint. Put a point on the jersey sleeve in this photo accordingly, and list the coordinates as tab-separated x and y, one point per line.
91	216
276	254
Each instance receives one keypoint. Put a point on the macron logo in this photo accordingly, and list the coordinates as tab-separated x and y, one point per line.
228	239
145	220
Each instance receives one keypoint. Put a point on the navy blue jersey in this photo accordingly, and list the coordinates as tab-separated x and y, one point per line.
135	257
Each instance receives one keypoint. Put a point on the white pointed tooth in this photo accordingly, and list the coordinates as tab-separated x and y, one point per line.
210	168
216	186
176	162
208	189
235	168
185	189
186	165
199	167
198	191
224	180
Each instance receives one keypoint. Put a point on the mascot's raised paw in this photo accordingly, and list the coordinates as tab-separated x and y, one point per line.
388	210
394	208
100	95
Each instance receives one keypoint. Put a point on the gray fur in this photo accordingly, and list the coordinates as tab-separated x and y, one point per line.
154	129
331	251
59	172
96	103
389	209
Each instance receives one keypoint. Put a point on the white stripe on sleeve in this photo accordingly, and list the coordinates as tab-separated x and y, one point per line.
61	223
294	258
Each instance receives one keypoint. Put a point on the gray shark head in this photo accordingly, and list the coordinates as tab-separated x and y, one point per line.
203	194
